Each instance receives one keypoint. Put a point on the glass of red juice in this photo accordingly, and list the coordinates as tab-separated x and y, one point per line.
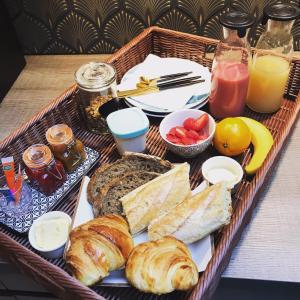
230	73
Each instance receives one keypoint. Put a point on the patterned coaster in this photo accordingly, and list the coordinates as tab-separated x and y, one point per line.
42	203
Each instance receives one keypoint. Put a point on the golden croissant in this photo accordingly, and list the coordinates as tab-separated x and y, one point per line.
161	266
98	247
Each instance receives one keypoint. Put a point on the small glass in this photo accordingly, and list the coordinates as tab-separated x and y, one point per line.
7	203
65	147
97	94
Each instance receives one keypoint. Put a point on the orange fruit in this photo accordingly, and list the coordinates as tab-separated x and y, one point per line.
232	137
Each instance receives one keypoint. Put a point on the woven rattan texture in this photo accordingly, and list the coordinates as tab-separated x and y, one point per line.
161	42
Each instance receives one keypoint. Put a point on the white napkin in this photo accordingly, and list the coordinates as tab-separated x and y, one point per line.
173	99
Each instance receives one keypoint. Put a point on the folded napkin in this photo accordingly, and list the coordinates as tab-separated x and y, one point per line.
173	99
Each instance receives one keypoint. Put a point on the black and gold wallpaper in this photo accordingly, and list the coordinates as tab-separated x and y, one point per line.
103	26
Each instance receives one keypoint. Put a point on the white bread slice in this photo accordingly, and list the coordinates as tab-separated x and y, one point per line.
195	217
156	197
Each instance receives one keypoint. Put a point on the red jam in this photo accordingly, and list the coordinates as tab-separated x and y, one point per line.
43	171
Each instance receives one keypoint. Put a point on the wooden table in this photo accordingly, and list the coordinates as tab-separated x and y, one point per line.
270	246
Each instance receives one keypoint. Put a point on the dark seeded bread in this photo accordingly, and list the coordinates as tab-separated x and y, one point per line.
128	163
108	200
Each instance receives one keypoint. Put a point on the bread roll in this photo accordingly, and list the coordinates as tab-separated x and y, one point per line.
195	217
156	197
98	247
161	267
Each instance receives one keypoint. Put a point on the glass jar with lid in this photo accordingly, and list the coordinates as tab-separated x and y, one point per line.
270	67
45	172
65	147
97	94
230	75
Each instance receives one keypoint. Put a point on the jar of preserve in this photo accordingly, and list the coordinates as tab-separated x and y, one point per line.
230	75
270	68
45	172
97	94
65	147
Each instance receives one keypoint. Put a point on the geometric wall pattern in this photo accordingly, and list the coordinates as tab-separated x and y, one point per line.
103	26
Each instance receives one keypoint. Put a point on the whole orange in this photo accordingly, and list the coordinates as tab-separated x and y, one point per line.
232	137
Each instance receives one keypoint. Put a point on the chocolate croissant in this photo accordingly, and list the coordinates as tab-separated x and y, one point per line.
98	247
161	266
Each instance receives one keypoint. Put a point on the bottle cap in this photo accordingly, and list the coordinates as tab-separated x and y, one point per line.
37	156
237	20
280	12
95	76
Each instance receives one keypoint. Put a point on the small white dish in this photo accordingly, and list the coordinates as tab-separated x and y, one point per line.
176	119
222	168
58	250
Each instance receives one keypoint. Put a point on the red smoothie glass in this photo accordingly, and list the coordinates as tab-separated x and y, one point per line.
230	72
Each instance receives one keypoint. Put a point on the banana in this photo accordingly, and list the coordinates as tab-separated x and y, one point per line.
262	140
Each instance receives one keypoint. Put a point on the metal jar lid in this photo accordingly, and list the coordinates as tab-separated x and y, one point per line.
280	12
237	20
95	76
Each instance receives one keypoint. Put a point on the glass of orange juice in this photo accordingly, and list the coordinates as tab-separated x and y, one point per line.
270	66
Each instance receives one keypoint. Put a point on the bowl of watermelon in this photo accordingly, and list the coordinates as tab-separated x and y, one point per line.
187	132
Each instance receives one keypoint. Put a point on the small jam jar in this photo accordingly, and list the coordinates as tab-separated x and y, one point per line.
65	147
97	94
45	172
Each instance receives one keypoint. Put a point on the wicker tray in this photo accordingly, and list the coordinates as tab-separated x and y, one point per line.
52	274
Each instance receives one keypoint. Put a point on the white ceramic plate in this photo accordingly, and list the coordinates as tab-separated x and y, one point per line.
170	61
201	250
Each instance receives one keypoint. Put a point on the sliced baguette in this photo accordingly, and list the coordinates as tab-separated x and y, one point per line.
196	217
156	197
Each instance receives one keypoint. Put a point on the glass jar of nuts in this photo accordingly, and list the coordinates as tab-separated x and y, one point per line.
97	94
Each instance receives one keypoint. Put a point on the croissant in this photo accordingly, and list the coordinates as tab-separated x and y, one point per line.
98	247
161	266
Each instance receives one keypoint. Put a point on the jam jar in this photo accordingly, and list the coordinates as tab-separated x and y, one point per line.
65	147
45	172
96	95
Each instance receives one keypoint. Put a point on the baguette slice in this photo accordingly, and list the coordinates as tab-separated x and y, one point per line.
156	197
196	217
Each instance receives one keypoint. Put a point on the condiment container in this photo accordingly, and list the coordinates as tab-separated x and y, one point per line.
222	168
65	147
45	172
230	75
49	233
97	94
270	67
129	128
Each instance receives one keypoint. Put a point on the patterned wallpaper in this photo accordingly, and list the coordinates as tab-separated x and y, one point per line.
103	26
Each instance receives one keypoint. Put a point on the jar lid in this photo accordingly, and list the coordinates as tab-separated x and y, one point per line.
95	76
280	12
128	123
37	156
237	20
59	134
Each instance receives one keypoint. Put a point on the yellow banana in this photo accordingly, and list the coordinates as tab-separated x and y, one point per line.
262	140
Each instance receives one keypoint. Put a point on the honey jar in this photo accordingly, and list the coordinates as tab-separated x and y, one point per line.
45	172
65	147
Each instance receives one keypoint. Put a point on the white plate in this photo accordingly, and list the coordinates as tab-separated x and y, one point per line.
201	250
162	114
184	65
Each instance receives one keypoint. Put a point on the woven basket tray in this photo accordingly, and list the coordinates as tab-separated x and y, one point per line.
165	43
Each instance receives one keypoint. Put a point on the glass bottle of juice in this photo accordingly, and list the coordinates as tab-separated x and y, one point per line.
230	74
270	67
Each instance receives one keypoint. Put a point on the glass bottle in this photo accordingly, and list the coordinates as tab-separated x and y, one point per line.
270	67
65	147
97	94
230	75
45	172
